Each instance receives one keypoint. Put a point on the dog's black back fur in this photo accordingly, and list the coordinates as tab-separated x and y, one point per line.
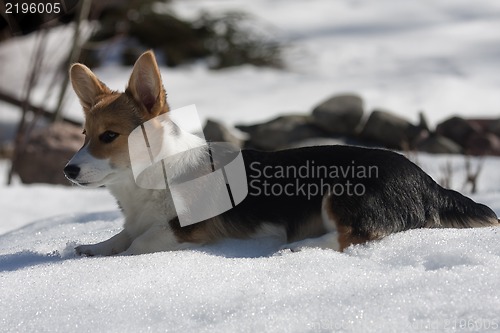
397	196
400	196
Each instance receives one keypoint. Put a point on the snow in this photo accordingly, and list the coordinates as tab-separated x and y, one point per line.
439	56
442	280
436	56
411	280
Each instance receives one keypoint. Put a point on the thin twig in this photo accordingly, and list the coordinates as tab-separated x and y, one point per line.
10	99
31	82
84	10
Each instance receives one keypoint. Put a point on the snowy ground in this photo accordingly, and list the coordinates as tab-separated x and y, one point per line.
440	56
437	56
420	280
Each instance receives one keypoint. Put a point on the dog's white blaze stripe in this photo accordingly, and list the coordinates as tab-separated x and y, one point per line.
80	156
92	169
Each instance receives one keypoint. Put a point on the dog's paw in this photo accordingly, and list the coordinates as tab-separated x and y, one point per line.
85	250
309	243
293	247
327	241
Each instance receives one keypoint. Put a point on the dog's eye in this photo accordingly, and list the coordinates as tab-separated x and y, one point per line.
108	136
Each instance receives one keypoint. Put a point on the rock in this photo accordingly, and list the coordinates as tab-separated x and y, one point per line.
437	144
339	115
494	127
422	122
47	151
479	144
458	129
217	132
281	132
482	124
318	142
389	130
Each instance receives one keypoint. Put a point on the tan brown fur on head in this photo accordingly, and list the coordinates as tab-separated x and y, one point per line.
145	86
110	111
116	113
87	86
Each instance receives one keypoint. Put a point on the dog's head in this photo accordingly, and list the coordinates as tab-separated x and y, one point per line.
109	119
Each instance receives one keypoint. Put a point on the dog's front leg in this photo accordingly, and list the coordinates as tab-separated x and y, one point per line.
157	238
116	244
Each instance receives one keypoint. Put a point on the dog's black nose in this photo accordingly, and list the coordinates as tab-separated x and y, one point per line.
71	171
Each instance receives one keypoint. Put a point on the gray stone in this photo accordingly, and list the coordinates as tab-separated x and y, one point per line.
318	142
339	115
390	130
479	144
458	129
217	132
422	122
494	127
281	132
437	144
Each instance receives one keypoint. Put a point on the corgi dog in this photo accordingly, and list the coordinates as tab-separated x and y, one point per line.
325	196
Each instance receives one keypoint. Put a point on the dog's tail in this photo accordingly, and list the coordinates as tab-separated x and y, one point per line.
458	211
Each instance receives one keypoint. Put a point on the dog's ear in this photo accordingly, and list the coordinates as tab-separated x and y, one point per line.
86	85
145	84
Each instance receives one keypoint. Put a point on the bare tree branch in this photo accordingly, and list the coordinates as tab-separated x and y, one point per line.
6	97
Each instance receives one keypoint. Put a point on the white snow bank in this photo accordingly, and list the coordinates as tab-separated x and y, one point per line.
436	56
440	56
22	204
417	280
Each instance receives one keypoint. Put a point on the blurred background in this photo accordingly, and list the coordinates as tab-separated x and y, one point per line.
267	74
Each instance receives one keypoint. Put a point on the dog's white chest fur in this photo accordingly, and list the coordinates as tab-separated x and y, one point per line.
142	207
